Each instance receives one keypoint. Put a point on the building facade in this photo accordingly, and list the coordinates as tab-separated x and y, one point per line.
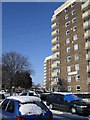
48	81
71	46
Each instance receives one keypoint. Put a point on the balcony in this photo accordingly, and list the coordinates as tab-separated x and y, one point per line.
86	15
45	71
88	80
54	82
55	40
53	19
54	26
88	68
87	34
55	65
45	74
55	74
86	25
55	33
88	56
55	49
85	6
87	45
55	57
45	80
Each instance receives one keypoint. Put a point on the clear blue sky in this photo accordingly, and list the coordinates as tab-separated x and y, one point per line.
26	29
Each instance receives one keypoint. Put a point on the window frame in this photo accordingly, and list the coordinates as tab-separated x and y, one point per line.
78	89
76	57
77	79
67	24
77	67
68	68
76	47
73	12
66	17
68	59
69	88
72	5
74	28
75	37
68	49
69	78
67	32
67	40
74	20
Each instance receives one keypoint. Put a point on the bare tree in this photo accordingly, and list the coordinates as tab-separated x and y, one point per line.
13	62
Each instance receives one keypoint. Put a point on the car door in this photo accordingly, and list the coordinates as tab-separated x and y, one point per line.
56	102
64	105
60	104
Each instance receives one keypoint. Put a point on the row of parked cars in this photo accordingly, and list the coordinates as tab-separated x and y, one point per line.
26	106
68	102
29	106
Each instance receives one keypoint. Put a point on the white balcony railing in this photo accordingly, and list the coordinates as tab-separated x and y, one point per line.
86	14
87	34
86	24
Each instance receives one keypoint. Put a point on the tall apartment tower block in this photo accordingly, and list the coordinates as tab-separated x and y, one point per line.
71	46
48	81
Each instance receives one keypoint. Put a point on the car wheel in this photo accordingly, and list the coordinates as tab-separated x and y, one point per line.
73	110
51	106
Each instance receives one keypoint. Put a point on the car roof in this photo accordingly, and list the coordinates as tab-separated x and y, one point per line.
24	99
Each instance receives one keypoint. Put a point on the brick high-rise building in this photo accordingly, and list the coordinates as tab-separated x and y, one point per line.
48	81
71	46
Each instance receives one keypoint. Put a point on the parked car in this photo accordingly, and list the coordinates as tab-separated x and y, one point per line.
69	103
24	108
2	96
29	93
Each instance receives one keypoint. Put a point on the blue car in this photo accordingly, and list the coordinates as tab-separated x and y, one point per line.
24	108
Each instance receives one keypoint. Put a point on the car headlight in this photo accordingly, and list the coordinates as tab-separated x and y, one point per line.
83	106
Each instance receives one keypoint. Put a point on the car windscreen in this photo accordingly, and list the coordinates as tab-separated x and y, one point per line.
71	97
32	108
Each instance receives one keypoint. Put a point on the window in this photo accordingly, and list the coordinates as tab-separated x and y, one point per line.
68	49
73	20
11	107
68	40
69	69
69	78
77	77
75	37
72	5
68	58
4	104
76	47
66	16
67	32
73	12
74	28
67	23
69	88
66	9
76	57
77	67
78	87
